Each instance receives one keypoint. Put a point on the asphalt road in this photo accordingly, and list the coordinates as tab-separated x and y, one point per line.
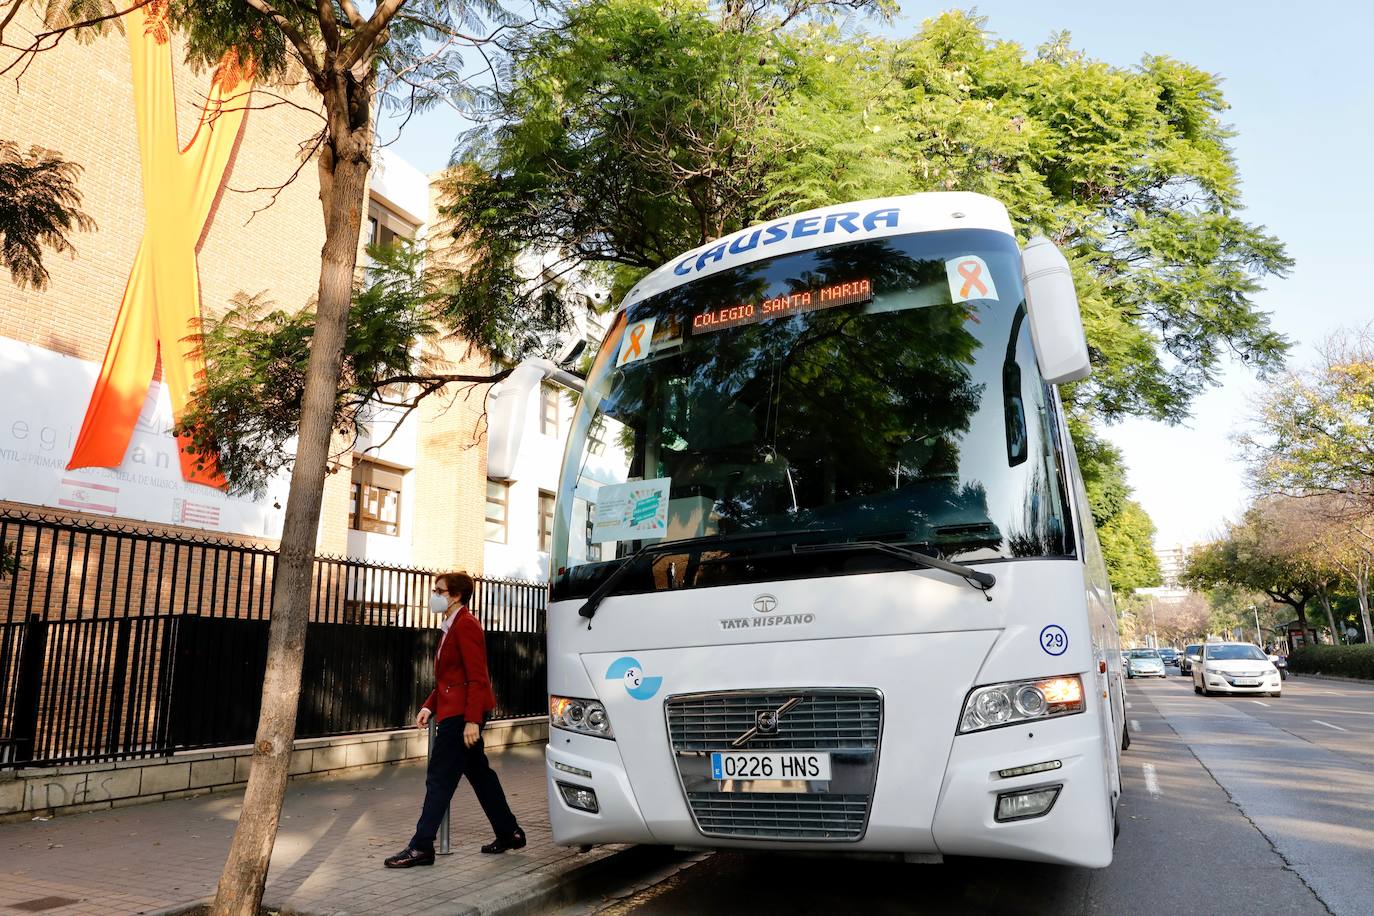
1230	805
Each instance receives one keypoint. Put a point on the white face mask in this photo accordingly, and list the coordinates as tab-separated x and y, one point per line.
438	603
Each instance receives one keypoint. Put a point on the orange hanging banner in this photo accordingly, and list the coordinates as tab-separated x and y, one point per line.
162	297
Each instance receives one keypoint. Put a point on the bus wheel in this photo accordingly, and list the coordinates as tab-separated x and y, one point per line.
1125	735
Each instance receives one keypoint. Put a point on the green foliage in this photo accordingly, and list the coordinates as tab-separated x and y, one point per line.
256	356
1127	547
11	560
1316	430
39	207
644	129
1266	551
1342	661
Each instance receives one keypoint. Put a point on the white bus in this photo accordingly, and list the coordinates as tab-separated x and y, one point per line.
824	574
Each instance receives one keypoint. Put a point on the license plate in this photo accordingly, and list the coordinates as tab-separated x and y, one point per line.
789	765
1247	682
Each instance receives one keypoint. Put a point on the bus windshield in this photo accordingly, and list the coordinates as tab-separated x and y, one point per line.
880	390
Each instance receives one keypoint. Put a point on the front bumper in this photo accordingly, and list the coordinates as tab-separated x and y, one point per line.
1220	684
1076	831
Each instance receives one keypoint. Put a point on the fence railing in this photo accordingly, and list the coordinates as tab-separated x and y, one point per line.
119	642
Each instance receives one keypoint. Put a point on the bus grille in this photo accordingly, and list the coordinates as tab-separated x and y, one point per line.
847	722
824	720
777	815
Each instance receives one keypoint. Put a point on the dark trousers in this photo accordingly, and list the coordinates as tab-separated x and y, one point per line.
449	762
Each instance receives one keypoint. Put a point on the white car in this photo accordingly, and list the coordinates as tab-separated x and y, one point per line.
1234	667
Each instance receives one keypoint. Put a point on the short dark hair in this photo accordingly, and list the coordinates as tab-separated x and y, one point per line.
459	585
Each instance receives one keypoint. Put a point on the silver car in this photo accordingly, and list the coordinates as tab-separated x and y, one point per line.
1144	663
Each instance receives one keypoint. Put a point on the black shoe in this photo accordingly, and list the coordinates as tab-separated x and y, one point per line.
409	858
515	841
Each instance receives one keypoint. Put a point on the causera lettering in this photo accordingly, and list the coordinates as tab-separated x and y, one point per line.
789	229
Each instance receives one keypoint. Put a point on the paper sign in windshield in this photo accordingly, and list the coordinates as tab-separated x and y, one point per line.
631	511
969	278
636	343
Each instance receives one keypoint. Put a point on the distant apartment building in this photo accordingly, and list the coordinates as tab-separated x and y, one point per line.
1172	561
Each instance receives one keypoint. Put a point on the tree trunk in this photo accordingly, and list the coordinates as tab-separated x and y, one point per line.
1330	617
343	177
1362	574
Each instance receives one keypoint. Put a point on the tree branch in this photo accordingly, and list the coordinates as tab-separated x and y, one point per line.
361	45
298	40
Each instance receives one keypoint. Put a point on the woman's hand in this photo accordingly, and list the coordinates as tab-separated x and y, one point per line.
471	732
422	719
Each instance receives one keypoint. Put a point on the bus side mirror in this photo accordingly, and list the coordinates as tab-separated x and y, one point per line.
507	407
1056	325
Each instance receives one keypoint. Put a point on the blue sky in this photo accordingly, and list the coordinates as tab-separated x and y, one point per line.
1300	81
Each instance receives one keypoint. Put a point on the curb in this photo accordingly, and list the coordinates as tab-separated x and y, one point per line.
1331	677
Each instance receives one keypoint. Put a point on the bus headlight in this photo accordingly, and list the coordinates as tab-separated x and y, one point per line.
586	717
1021	701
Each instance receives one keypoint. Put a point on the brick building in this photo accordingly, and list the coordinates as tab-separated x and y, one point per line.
419	500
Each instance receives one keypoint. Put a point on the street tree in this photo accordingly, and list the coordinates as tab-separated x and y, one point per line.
643	129
40	207
350	57
1314	432
1260	553
1123	526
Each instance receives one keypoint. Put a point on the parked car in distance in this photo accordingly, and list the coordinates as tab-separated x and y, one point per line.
1145	663
1235	667
1185	661
1169	655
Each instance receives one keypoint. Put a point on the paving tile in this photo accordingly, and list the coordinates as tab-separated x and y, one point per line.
334	835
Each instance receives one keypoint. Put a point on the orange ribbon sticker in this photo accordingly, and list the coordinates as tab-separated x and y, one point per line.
631	348
969	278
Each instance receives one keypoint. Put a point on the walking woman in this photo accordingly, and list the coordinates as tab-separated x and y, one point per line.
461	699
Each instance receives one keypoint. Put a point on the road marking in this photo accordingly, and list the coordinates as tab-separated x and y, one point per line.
1151	780
1135	725
1260	702
1329	725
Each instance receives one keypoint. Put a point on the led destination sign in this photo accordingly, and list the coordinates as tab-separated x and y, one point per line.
810	300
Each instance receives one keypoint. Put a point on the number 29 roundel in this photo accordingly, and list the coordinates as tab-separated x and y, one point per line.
1053	640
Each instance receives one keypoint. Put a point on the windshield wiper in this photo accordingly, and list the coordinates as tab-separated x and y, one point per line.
974	577
602	591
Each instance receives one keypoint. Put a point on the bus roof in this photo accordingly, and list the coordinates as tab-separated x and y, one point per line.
877	218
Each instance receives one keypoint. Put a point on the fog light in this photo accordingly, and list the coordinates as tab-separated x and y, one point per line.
579	797
1032	768
1019	806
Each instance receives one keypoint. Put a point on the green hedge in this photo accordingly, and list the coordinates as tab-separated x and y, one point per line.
1343	661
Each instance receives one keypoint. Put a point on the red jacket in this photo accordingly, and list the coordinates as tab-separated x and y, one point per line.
461	685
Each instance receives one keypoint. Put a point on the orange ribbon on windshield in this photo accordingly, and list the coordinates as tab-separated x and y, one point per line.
972	272
162	297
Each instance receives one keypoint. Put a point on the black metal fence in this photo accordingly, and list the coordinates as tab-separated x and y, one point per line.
121	642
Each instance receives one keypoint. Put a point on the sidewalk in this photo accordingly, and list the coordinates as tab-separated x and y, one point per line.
328	857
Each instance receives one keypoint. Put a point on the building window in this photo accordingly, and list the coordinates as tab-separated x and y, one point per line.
548	410
545	521
375	503
498	505
372	230
596	436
